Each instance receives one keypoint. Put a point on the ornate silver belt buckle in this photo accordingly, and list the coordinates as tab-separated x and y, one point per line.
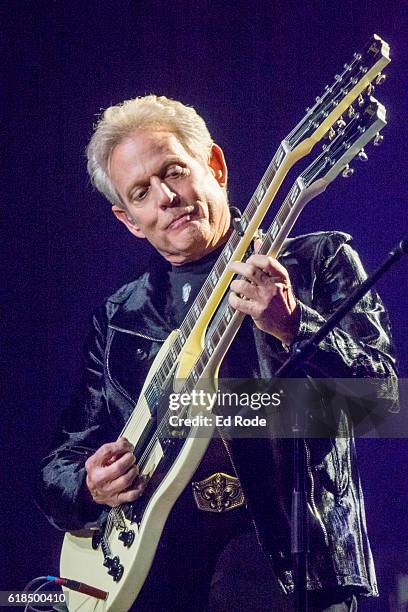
218	493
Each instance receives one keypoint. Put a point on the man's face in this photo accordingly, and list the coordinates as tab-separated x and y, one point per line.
171	198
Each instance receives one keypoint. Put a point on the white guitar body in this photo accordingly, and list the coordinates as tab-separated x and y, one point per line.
80	562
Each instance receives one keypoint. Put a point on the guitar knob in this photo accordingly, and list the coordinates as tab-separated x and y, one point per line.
360	100
347	172
378	139
362	156
127	537
351	112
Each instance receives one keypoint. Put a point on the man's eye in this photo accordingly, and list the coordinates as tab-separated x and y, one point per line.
140	194
175	171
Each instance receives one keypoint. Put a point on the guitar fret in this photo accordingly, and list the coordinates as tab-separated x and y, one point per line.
251	208
275	229
279	156
219	266
294	193
165	369
244	222
201	363
209	346
214	277
260	191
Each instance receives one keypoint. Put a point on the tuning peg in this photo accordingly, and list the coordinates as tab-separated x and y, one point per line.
351	112
340	123
331	133
380	78
362	155
378	139
347	172
370	89
360	100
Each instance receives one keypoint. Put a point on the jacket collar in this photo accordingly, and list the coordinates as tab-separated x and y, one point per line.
137	308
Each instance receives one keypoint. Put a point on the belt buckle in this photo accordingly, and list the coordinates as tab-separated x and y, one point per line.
218	493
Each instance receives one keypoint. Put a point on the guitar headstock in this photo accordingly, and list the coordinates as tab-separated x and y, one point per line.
349	142
358	77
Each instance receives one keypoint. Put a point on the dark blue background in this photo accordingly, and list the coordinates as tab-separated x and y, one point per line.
250	69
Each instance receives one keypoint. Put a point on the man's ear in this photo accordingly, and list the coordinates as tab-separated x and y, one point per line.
218	165
127	220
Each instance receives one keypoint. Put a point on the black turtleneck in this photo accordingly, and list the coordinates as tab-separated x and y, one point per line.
185	282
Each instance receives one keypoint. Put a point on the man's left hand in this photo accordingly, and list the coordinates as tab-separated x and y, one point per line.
265	293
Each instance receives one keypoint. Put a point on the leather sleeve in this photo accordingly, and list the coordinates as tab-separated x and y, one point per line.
61	492
360	346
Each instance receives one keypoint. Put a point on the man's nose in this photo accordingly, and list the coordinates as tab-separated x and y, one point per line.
165	196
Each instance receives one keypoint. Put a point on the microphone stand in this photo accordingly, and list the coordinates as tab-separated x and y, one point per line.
303	351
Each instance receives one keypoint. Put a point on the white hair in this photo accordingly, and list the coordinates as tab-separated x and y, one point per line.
117	122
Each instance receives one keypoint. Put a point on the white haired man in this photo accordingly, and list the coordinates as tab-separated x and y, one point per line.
155	161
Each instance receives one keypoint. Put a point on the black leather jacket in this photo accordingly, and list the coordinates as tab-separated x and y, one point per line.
128	332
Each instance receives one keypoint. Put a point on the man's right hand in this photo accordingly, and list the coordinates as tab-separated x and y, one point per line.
112	474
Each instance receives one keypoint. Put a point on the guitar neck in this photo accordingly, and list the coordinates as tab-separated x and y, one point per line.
349	143
348	86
